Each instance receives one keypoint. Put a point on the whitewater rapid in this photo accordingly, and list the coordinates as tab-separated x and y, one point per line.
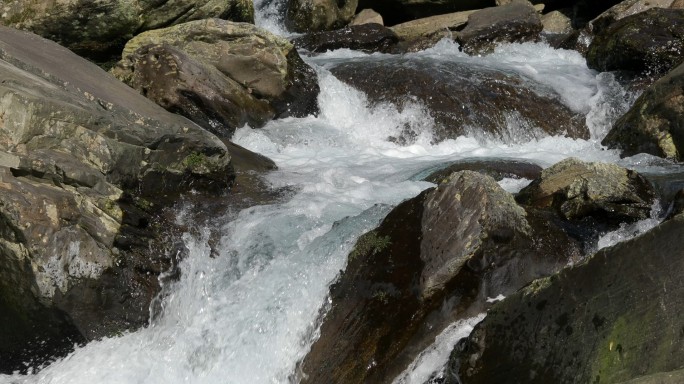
250	314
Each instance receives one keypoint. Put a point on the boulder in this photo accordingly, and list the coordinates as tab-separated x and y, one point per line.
401	11
556	23
614	319
367	16
319	15
98	29
365	37
649	42
85	162
576	189
624	9
655	123
510	23
464	99
442	25
222	74
435	259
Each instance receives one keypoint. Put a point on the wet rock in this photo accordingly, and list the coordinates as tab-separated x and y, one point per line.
655	123
498	169
85	162
614	318
237	73
366	37
434	259
576	189
514	22
400	11
624	9
367	16
319	15
464	99
648	42
98	29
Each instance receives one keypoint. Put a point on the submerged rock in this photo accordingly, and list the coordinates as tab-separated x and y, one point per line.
648	42
576	189
319	15
84	162
613	319
655	123
98	29
514	22
369	37
434	259
221	74
464	99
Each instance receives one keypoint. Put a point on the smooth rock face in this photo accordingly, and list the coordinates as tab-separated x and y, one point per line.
576	189
400	11
429	26
365	37
319	15
611	319
649	42
367	16
83	161
514	22
434	259
463	99
655	123
238	73
98	29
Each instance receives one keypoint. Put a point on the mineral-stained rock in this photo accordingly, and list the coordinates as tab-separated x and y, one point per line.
366	37
464	99
238	73
647	42
319	15
655	123
84	162
514	22
433	260
98	29
576	189
612	319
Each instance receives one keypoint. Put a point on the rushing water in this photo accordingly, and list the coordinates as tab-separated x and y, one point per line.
249	314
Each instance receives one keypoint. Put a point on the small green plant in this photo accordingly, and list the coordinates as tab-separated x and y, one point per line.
194	159
370	244
381	296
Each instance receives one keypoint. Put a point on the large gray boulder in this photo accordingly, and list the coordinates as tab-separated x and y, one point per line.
98	29
220	74
400	11
84	163
655	123
435	259
510	23
614	319
648	42
319	15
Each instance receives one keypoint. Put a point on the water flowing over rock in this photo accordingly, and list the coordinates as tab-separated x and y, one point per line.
613	319
655	123
98	29
514	22
366	37
464	99
220	74
434	259
319	15
576	189
649	42
84	161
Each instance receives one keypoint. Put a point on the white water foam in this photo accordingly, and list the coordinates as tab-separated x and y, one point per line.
249	314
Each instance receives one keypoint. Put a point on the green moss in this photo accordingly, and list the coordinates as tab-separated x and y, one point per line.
194	160
370	244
